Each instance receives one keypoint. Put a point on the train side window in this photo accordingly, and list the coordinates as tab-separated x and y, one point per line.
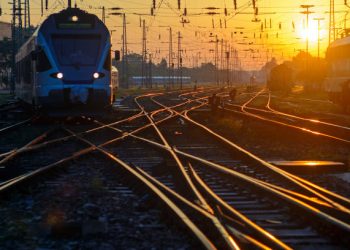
107	65
42	62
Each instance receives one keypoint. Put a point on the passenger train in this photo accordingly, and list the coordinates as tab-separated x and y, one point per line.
66	62
338	77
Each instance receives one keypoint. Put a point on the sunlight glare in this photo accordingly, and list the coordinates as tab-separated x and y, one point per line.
313	31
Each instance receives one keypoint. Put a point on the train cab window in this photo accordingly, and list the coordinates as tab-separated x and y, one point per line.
43	63
107	65
77	49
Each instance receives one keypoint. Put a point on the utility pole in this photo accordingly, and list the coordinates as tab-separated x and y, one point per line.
227	66
28	14
14	45
150	70
144	51
25	15
236	66
331	34
179	59
307	13
222	61
125	54
216	59
69	4
20	23
26	18
318	35
103	14
170	63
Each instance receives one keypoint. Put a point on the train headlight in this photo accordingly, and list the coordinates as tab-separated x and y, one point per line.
75	19
59	75
96	75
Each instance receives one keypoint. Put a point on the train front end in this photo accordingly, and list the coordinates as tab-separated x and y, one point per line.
73	48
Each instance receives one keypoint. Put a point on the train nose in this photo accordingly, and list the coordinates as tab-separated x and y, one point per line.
79	95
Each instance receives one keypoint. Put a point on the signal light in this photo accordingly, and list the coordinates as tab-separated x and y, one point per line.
59	75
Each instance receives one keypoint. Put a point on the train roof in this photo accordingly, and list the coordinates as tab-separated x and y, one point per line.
340	42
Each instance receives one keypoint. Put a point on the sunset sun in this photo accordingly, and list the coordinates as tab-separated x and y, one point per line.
311	32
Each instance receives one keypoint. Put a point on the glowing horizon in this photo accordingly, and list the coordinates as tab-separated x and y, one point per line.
256	42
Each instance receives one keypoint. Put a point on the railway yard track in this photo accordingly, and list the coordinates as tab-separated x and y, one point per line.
332	131
160	177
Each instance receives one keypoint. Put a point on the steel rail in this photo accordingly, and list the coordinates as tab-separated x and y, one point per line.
276	112
332	220
337	196
229	241
306	130
93	149
283	173
65	138
39	146
268	106
88	150
195	207
29	144
2	130
244	111
306	207
34	147
175	157
253	226
187	221
161	146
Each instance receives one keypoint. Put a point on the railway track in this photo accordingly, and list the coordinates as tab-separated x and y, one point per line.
87	204
223	195
167	181
8	185
316	127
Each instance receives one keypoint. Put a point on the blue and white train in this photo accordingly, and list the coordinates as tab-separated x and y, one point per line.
66	62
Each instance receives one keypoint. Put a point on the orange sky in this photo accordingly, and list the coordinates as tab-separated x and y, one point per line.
253	52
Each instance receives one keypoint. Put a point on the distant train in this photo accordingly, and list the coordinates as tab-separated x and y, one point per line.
338	78
66	62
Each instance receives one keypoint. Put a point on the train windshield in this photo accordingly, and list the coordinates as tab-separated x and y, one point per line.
77	50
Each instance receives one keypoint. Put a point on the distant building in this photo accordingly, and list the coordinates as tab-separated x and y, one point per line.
5	30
